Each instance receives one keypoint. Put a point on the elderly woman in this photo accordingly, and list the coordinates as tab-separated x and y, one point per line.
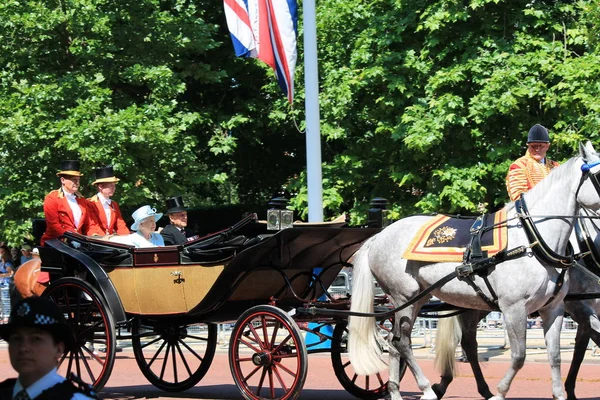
144	226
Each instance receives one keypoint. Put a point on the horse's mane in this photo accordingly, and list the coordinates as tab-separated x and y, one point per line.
561	176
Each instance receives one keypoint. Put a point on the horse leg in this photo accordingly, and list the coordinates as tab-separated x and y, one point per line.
402	345
581	341
470	345
553	319
515	319
468	322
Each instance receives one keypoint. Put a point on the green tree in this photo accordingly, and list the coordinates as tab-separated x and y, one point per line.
427	103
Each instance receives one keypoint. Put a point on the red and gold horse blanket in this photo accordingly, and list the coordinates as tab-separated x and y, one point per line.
444	238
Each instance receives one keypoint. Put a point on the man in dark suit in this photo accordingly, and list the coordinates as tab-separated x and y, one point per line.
176	233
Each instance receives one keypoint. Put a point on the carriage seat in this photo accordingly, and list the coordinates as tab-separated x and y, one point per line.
220	248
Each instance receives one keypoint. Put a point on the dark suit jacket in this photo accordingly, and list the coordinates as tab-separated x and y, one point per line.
173	236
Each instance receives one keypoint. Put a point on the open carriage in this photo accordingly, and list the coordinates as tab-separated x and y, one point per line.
167	300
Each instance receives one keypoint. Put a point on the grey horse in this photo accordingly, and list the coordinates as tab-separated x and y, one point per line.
463	328
522	284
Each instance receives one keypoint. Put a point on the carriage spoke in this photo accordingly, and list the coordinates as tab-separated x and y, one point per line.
265	335
251	374
165	362
261	381
152	342
286	369
283	342
279	378
270	372
250	346
174	361
256	337
275	330
87	366
192	351
157	353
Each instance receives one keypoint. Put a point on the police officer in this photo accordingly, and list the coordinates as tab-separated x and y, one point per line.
37	337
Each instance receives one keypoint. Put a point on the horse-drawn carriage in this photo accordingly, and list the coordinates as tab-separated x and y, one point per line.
167	301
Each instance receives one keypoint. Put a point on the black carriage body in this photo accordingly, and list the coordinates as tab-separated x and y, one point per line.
214	279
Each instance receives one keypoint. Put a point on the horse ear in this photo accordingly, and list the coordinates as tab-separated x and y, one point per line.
582	151
590	147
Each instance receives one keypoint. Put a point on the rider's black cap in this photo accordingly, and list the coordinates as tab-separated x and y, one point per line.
538	134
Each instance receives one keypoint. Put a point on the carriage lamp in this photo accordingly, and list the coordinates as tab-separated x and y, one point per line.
378	213
278	216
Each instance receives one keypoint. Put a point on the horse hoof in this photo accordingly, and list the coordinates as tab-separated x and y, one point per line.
429	395
498	397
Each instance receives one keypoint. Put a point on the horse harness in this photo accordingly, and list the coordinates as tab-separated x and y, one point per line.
476	261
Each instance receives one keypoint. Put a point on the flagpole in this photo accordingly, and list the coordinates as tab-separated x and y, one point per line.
311	105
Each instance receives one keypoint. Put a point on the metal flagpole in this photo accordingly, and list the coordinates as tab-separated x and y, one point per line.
313	131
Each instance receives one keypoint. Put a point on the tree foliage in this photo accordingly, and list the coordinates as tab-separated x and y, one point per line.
427	103
424	103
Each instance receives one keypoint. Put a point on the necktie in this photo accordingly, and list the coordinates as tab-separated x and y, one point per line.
22	395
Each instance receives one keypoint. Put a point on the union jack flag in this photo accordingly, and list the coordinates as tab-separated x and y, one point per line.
267	30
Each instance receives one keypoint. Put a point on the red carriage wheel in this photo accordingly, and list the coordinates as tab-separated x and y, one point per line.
267	355
364	387
93	357
173	357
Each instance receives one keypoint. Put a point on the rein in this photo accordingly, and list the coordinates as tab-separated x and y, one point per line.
540	248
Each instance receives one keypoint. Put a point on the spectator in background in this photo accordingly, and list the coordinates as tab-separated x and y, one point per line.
105	214
7	270
14	255
35	253
25	253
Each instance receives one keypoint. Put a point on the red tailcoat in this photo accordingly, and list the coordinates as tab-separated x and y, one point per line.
59	217
98	225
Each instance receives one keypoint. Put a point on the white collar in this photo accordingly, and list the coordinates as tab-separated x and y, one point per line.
103	199
45	382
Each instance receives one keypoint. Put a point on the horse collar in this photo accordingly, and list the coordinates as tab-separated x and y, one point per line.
539	247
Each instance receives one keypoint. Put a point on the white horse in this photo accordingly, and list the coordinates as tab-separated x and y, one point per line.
522	284
585	312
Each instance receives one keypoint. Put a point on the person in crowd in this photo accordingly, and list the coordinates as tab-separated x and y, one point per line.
7	268
35	253
175	233
65	209
105	214
529	170
144	226
37	337
14	255
26	253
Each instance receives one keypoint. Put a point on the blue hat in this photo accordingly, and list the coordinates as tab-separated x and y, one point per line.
538	134
142	213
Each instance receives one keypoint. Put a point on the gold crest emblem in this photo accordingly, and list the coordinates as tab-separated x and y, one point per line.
442	235
155	257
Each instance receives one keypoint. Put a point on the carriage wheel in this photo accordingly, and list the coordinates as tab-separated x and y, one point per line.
362	386
267	355
173	357
93	327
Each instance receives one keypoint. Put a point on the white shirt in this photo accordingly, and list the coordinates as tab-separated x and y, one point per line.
106	205
47	381
72	200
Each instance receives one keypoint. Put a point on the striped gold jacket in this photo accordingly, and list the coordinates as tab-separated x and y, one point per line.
525	173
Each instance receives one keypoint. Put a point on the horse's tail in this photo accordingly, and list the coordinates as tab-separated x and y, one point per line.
448	335
364	343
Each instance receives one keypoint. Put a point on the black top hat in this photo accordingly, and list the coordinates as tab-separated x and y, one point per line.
105	175
41	313
175	204
69	168
538	134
